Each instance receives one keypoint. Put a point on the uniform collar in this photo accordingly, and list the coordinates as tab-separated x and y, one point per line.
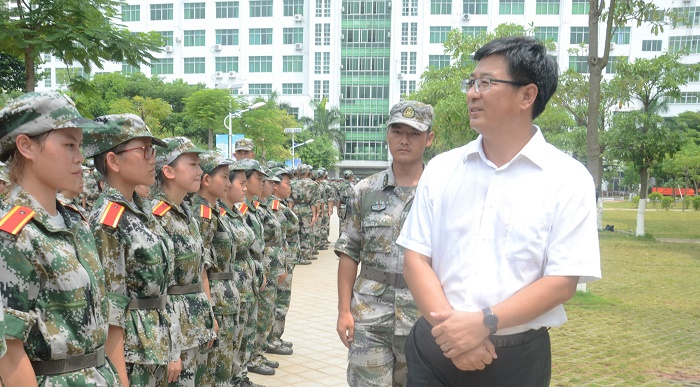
19	197
531	151
138	206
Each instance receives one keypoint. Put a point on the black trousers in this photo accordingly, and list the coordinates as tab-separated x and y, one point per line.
524	360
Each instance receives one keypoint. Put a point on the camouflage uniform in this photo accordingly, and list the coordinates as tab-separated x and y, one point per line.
322	200
305	195
3	344
330	203
91	188
345	194
73	204
384	313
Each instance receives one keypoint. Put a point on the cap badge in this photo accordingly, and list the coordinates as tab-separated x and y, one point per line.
409	112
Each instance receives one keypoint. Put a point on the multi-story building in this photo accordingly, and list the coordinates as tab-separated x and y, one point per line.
363	55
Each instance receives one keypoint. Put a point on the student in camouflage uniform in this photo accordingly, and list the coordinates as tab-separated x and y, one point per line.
244	149
91	186
376	309
136	255
305	198
345	193
220	246
325	216
70	198
177	173
322	201
48	257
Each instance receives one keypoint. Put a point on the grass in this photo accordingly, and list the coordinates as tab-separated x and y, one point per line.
658	222
640	324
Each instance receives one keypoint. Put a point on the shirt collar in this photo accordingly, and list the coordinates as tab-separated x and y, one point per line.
389	178
532	150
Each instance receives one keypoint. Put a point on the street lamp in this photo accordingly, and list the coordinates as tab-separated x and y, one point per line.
228	122
309	141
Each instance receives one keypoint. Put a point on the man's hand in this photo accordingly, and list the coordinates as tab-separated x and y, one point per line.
476	359
174	369
346	328
281	278
216	332
458	332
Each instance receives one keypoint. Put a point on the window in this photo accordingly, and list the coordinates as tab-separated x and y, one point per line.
260	36
372	66
226	63
260	8
440	7
260	64
260	89
321	89
407	87
64	75
686	97
438	34
293	111
292	63
690	43
318	36
409	8
292	88
47	80
194	38
323	7
167	37
162	66
194	65
438	61
317	63
131	13
161	12
547	33
476	7
621	36
580	7
414	34
292	35
511	7
128	69
691	16
473	31
651	45
579	35
194	11
655	15
613	62
547	7
326	62
293	7
578	63
227	37
326	34
226	9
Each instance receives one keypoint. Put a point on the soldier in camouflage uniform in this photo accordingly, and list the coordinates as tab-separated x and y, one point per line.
376	309
325	216
92	187
135	252
244	149
48	257
177	173
322	201
345	193
305	198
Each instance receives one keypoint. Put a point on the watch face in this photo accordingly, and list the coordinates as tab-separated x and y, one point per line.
491	321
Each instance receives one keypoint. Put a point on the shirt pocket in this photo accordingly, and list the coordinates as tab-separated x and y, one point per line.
186	268
377	232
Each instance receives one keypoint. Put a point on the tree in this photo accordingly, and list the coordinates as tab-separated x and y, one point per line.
11	73
320	153
265	126
207	110
73	31
685	166
151	110
326	122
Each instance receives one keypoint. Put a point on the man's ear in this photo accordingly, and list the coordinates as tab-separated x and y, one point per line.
205	180
168	172
529	95
112	162
26	146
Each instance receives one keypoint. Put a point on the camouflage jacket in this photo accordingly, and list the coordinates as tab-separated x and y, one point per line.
73	204
3	344
138	263
374	219
256	248
218	237
193	311
54	294
305	192
244	266
331	194
290	225
345	192
91	188
275	235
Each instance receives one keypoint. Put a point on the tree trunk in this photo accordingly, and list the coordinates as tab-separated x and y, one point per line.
640	217
211	138
644	185
29	69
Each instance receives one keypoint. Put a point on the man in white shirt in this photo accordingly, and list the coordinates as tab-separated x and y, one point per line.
500	233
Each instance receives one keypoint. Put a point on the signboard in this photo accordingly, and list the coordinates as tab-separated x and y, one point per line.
222	143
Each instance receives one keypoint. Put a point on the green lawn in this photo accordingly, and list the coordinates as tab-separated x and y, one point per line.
660	223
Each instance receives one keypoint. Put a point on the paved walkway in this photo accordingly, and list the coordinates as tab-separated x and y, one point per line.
319	357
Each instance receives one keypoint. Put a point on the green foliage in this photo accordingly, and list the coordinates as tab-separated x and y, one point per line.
320	153
687	202
666	202
207	109
655	197
696	202
151	110
11	73
635	201
326	122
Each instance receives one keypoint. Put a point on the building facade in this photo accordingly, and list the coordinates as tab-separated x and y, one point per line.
363	55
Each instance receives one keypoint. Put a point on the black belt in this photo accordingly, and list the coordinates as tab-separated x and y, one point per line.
394	279
242	255
146	303
70	363
221	276
184	289
516	339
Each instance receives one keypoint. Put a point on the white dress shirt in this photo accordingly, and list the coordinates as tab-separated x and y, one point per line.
492	231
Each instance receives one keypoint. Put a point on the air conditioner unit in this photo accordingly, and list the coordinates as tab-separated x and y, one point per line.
168	49
388	35
217	47
342	96
219	74
298	17
232	74
342	66
178	38
342	36
465	16
388	4
298	46
343	9
399	75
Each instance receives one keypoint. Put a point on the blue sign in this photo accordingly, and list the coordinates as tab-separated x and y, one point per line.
222	143
288	163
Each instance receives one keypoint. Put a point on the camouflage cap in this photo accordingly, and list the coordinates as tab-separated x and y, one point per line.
269	175
278	171
303	169
417	115
235	166
175	147
118	129
252	165
347	173
210	160
36	113
3	173
244	144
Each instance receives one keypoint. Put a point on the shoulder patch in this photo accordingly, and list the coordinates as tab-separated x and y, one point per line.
16	219
205	211
243	208
275	205
161	208
256	204
111	214
222	211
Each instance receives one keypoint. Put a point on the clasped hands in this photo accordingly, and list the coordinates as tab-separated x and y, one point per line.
464	339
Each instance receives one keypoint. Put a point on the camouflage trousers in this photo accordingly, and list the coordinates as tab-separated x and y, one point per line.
284	297
325	229
147	375
239	358
316	230
194	364
341	218
220	361
377	358
306	240
105	376
266	315
249	334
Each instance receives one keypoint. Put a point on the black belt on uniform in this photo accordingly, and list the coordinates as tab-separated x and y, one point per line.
70	363
500	341
394	279
242	255
220	276
184	289
146	303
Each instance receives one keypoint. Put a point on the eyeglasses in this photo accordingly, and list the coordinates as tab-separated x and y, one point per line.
148	151
483	85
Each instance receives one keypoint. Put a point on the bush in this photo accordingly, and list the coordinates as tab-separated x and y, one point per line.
687	202
635	202
666	202
696	203
655	197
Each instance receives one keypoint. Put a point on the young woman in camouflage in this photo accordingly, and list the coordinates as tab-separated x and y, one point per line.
54	294
178	173
136	254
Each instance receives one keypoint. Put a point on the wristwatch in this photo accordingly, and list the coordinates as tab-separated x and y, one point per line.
490	320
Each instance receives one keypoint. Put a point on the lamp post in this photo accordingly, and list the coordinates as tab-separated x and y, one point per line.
309	141
228	122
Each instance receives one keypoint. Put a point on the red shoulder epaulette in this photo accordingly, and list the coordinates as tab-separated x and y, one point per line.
111	214
256	204
275	205
205	211
222	211
16	219
161	208
243	208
